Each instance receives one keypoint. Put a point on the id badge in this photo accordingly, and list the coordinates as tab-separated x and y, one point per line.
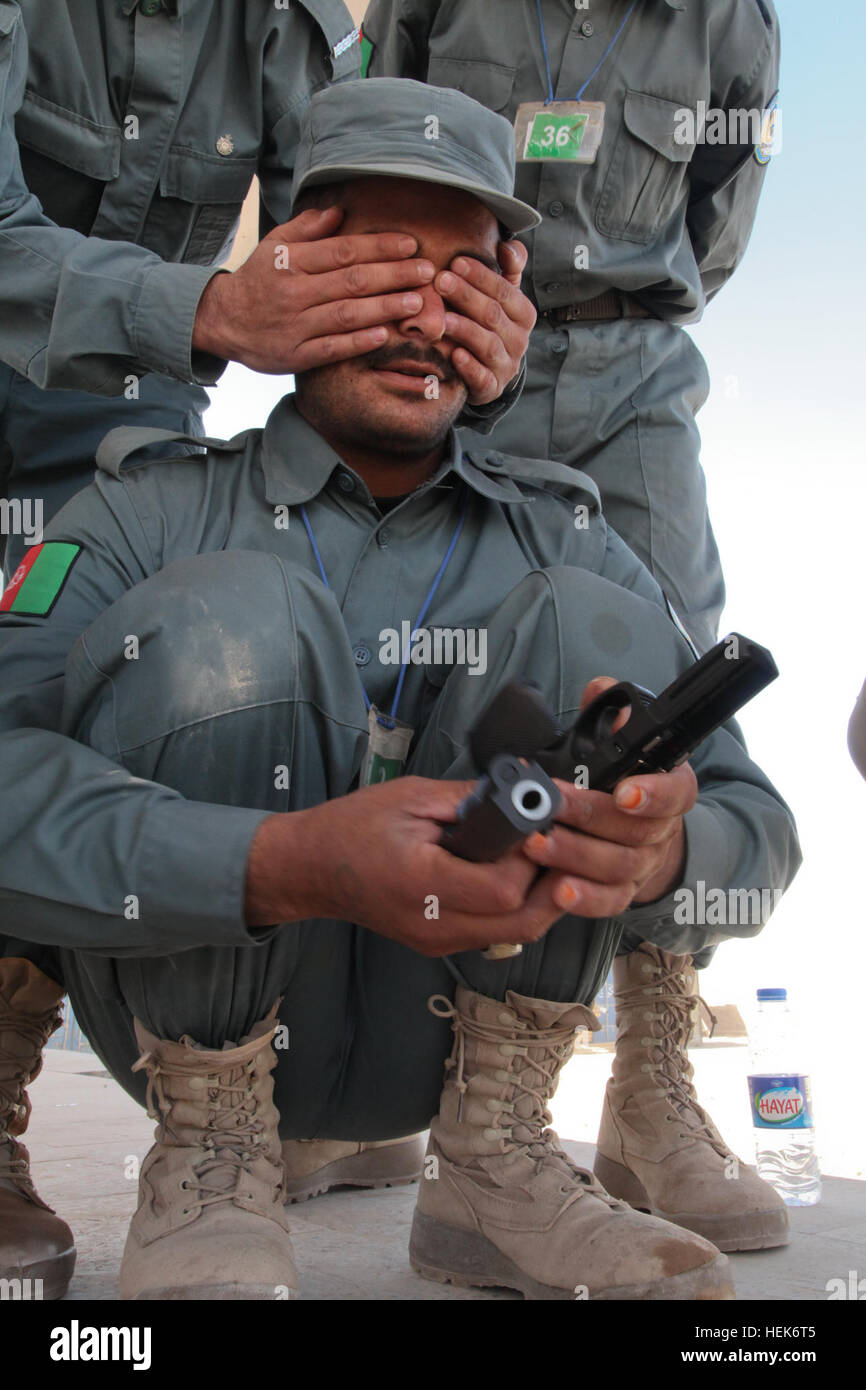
562	130
386	750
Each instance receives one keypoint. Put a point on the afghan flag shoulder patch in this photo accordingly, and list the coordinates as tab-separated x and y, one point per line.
38	581
366	53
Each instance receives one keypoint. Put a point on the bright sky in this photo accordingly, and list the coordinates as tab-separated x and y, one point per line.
784	456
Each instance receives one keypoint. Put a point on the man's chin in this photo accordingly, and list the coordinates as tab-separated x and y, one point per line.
413	427
360	410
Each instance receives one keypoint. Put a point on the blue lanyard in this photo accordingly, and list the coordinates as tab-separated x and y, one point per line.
605	54
389	722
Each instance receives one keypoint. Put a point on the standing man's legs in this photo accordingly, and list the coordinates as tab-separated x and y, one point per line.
618	400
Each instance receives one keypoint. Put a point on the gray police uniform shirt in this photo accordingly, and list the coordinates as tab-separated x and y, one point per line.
662	218
140	125
81	832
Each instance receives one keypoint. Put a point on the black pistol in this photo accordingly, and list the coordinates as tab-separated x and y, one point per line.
661	730
514	796
518	745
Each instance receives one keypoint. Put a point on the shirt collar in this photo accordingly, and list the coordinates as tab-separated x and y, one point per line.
298	463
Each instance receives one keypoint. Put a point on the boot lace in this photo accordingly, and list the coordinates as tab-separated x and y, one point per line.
15	1168
16	1072
532	1076
233	1136
670	1025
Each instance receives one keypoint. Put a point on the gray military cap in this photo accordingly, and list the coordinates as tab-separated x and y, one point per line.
392	126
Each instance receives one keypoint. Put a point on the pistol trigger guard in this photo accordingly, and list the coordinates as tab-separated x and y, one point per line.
597	720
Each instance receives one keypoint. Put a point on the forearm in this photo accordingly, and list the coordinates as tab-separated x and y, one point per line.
55	284
94	859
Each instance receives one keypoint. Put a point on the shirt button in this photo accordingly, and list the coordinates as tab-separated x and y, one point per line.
361	655
345	482
225	145
150	7
558	346
553	286
587	28
556	208
384	537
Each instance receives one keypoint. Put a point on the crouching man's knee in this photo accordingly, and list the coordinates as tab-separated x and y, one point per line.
209	646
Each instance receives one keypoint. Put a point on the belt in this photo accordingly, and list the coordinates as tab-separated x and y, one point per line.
613	304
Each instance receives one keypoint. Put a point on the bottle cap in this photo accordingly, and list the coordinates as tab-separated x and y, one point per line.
764	994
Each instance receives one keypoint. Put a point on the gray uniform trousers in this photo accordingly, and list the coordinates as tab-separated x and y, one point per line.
618	400
48	439
365	1056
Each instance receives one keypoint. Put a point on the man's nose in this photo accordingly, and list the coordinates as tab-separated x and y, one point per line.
429	323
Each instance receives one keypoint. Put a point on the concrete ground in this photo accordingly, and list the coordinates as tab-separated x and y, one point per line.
352	1244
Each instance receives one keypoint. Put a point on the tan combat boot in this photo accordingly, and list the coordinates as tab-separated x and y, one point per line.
314	1166
503	1205
657	1147
210	1222
34	1243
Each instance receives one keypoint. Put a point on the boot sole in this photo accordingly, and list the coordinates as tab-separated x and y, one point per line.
392	1167
760	1230
450	1255
55	1273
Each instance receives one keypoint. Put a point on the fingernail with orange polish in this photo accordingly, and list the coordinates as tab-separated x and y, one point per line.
566	895
630	797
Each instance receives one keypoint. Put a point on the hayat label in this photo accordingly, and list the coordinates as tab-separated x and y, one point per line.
781	1102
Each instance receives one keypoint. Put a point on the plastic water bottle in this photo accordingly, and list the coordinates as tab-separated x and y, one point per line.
781	1101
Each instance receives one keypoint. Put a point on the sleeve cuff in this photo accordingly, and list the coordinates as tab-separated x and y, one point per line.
165	319
194	869
482	418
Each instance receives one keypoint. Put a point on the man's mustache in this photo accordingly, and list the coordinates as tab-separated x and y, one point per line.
410	352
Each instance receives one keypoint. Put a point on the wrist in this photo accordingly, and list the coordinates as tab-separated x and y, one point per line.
281	872
209	332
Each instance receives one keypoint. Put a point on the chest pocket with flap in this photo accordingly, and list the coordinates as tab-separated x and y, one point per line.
207	193
648	170
68	139
489	83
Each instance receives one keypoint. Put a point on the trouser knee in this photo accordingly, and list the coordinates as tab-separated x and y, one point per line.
203	677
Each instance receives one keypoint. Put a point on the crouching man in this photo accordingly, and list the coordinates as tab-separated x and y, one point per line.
207	677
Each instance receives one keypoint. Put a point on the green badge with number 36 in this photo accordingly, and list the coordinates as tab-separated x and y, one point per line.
569	130
555	137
